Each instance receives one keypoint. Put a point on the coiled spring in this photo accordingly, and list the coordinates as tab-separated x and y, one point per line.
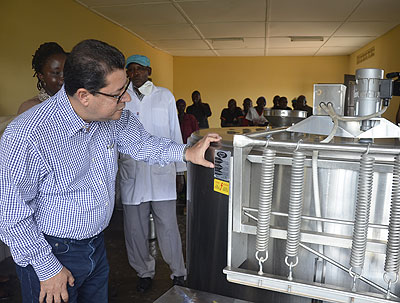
265	199
363	205
392	262
295	204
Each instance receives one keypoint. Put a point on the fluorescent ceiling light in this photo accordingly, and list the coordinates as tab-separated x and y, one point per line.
306	38
228	39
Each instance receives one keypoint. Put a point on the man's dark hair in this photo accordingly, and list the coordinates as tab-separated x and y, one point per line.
42	54
196	92
261	99
88	65
180	101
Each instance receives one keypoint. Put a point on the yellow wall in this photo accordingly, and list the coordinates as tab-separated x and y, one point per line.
221	78
386	57
217	78
25	24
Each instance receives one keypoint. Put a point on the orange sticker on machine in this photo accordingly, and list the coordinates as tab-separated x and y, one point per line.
221	187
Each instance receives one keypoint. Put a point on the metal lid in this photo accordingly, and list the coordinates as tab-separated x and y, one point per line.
226	133
284	117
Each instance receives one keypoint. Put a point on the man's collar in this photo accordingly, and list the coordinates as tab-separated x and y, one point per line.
73	122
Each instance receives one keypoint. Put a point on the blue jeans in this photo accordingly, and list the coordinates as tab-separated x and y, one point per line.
85	259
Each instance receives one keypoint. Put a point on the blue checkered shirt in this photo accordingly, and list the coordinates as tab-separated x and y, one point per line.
57	176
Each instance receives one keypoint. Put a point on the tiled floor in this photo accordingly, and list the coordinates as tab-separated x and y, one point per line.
122	284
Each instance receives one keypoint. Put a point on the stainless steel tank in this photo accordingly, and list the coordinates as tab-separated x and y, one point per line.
207	225
223	229
283	117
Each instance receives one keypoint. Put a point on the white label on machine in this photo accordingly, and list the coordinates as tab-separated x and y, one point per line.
221	163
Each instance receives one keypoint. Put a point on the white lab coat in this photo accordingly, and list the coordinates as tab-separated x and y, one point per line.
140	182
252	115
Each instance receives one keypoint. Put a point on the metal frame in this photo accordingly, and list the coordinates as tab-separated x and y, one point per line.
301	288
238	230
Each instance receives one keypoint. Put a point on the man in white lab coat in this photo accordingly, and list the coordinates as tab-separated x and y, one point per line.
151	188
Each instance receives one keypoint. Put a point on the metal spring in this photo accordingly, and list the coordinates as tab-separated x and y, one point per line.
265	199
392	262
295	204
363	205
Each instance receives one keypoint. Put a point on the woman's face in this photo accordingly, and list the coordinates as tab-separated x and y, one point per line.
52	76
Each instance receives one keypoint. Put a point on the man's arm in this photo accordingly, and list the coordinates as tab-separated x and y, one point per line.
21	171
134	140
223	119
207	109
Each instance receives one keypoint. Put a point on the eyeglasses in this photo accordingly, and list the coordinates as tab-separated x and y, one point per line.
116	97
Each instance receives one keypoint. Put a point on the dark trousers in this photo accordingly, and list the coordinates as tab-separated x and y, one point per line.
85	259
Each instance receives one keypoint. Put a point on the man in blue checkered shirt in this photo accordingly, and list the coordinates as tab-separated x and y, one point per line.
58	163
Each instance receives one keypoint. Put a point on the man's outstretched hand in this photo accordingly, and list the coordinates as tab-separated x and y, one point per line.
195	153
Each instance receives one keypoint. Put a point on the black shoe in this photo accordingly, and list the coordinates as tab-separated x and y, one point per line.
179	281
4	294
144	284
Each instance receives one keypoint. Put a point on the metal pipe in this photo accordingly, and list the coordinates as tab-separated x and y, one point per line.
328	220
267	132
336	147
243	141
250	216
315	185
344	268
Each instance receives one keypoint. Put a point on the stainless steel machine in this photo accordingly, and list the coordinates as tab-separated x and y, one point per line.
283	117
312	212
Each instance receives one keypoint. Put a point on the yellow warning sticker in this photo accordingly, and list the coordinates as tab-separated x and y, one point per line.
221	187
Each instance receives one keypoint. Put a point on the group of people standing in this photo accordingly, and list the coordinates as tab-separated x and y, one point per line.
95	115
254	116
195	117
299	103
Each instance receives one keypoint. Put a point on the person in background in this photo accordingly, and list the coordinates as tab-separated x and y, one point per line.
151	189
294	104
301	104
200	110
187	122
48	64
247	103
231	116
255	116
57	176
275	101
282	103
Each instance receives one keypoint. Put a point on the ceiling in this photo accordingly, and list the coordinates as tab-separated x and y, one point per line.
252	27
